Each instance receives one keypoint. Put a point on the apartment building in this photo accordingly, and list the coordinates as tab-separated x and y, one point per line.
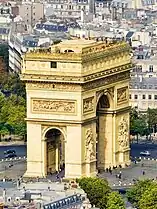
31	12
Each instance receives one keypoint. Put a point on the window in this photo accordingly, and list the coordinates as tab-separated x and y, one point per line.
53	64
138	69
130	96
150	68
136	96
149	96
155	97
143	96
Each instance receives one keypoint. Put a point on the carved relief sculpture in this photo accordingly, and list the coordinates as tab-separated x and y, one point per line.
90	145
52	86
122	94
88	104
123	134
50	106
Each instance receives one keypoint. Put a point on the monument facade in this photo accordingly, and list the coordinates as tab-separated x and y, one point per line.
77	107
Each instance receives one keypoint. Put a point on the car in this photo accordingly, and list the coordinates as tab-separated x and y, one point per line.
9	151
10	155
145	153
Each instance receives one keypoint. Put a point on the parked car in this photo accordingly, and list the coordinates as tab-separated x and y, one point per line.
145	153
9	151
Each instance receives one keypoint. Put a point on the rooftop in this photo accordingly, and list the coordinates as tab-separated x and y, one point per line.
78	50
79	43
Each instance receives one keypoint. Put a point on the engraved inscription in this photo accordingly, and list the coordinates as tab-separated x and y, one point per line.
122	94
53	106
88	104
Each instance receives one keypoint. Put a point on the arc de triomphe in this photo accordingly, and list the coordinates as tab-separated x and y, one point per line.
77	107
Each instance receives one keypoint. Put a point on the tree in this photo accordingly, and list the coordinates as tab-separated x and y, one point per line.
97	190
3	130
135	193
115	201
4	52
152	119
138	123
149	199
13	85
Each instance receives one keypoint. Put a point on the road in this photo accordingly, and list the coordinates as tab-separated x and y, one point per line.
137	148
20	150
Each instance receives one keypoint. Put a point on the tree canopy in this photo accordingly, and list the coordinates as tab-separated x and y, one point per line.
149	198
4	52
134	195
12	106
138	123
97	190
115	201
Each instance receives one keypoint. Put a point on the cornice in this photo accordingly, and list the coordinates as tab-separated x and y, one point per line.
76	79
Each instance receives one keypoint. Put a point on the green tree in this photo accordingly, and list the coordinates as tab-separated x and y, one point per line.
4	52
13	114
115	201
152	120
149	199
138	123
135	193
97	190
13	85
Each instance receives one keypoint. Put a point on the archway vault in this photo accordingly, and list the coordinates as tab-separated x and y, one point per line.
109	94
60	128
55	150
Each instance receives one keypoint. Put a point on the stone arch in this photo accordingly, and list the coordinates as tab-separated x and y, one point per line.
61	129
109	98
54	138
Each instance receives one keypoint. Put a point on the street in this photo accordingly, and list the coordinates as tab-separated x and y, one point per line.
20	150
137	148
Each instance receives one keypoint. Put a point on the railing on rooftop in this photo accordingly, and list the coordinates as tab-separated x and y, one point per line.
66	203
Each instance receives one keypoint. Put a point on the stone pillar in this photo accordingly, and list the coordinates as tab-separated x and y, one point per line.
105	144
35	165
73	152
44	157
57	157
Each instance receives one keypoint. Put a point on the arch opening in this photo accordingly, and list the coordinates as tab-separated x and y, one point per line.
102	105
55	151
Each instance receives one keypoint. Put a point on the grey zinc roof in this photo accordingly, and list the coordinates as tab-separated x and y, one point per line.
143	83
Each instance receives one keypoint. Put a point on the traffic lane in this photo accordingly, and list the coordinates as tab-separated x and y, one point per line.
137	148
21	150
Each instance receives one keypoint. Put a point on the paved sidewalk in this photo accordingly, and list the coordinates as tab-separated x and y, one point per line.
135	171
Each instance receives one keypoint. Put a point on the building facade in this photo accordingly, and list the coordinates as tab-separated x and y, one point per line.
77	107
31	12
143	84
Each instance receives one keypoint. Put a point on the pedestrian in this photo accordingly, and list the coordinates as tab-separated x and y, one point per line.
143	173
